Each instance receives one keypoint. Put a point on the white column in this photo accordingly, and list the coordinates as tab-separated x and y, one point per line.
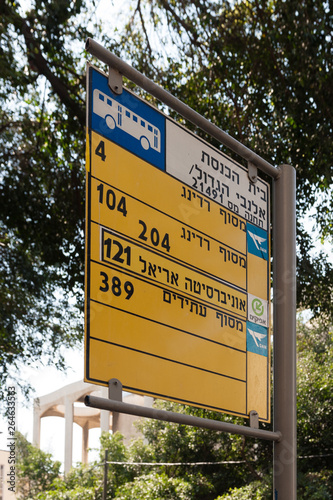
68	434
105	421
85	443
104	415
36	424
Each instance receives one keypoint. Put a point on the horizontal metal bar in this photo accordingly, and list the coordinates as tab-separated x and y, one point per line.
142	81
179	418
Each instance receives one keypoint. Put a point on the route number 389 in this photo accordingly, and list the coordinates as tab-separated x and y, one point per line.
115	286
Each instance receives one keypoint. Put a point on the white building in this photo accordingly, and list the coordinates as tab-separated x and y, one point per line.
67	403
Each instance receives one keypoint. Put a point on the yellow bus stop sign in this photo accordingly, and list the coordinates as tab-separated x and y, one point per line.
177	261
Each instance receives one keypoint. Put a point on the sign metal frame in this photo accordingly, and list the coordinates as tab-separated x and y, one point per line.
284	281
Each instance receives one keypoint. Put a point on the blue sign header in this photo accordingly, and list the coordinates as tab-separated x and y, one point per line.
128	121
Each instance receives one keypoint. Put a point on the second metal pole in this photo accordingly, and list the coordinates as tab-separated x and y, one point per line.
284	344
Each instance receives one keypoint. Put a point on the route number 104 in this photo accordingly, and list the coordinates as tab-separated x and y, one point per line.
111	200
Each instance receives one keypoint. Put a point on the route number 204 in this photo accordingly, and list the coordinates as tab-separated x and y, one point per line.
154	236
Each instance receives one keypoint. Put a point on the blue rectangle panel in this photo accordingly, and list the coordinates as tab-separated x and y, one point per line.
128	121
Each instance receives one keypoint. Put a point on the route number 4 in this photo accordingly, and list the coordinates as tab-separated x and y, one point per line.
100	150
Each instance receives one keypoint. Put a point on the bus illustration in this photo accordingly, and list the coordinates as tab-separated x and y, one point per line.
117	115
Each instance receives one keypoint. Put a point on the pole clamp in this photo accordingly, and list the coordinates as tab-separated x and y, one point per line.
115	81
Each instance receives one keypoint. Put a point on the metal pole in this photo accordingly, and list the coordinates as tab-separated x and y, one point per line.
138	78
284	345
179	418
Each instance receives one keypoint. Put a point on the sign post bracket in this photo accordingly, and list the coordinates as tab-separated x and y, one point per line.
254	419
115	81
252	172
115	393
115	389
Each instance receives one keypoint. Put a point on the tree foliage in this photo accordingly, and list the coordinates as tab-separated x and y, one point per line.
262	71
315	410
152	486
209	462
83	482
42	122
36	469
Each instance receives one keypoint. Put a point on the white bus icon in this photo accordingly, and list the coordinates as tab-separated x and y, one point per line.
117	115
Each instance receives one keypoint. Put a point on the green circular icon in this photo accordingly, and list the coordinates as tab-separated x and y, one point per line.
257	307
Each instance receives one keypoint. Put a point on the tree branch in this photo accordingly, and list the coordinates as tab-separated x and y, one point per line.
39	64
191	32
